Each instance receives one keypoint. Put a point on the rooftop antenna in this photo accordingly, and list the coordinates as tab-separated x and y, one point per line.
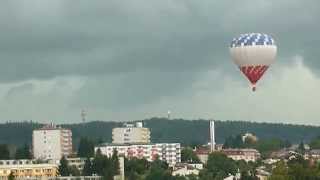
83	115
169	113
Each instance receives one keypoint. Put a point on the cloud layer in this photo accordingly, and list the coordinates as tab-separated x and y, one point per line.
125	60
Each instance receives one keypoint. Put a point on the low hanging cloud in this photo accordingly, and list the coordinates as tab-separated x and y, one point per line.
125	60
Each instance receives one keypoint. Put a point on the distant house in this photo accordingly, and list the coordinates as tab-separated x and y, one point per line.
232	177
185	169
270	161
242	154
202	154
250	137
262	174
192	165
281	154
314	154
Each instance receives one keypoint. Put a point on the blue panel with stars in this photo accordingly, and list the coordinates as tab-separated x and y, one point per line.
252	39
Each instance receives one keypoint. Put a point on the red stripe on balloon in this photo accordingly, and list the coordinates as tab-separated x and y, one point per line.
254	73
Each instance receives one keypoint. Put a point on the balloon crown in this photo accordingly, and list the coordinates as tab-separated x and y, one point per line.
252	39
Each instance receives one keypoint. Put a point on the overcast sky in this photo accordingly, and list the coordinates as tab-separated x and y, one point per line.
134	59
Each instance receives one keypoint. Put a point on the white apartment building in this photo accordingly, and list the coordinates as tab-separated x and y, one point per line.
131	134
168	152
51	142
242	154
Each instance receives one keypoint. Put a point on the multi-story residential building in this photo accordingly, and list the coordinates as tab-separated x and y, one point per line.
23	169
242	154
51	142
168	152
131	134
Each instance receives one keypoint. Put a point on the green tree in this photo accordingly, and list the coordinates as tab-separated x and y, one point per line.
300	168
115	162
301	148
286	143
315	143
158	171
4	152
104	166
86	148
266	146
74	171
131	175
139	166
192	177
218	165
11	176
63	167
247	169
98	163
234	142
136	169
23	152
188	155
87	168
280	172
179	178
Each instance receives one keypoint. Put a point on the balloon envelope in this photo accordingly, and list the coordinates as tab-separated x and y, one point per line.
253	53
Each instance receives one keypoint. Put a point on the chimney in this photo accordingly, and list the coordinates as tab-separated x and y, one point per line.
212	138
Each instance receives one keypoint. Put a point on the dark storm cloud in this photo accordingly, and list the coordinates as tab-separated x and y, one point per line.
132	90
47	39
108	37
132	53
21	90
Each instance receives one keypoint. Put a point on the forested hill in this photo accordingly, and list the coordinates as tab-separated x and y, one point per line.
164	130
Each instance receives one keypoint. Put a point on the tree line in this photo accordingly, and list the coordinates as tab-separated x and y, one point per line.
100	165
264	146
187	132
296	168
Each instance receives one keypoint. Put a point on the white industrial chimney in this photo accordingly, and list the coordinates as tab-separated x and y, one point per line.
212	138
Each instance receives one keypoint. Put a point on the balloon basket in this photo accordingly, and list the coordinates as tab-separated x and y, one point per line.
254	88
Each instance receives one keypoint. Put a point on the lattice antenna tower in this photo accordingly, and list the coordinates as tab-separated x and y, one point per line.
83	115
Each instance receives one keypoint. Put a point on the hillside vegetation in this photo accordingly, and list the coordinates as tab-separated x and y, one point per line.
164	130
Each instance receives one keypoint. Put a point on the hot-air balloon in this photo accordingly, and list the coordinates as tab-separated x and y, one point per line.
253	53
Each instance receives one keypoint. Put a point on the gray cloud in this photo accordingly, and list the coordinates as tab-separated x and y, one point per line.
44	40
131	54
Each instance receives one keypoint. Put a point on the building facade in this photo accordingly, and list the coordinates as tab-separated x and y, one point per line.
51	142
23	169
77	162
131	134
168	152
242	154
202	154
